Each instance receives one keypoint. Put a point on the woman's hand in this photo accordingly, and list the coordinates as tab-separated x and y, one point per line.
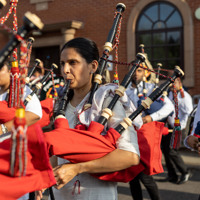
147	119
38	194
65	173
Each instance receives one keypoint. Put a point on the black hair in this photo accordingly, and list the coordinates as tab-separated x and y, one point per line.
85	47
38	69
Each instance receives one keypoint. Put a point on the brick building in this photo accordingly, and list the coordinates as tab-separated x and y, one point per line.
169	30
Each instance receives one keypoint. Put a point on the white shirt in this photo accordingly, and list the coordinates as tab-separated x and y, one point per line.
196	120
92	188
33	106
185	107
163	112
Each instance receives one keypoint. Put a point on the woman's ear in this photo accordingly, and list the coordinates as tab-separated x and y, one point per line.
94	65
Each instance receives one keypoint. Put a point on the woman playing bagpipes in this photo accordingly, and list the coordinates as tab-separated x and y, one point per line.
79	61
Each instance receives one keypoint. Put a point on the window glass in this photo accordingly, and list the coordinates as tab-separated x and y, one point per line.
160	29
165	11
174	51
173	37
145	39
159	25
159	38
144	23
175	20
152	12
159	53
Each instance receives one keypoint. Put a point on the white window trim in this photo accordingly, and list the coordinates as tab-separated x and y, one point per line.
39	1
188	35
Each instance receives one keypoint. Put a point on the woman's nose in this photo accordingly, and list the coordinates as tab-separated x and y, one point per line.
66	68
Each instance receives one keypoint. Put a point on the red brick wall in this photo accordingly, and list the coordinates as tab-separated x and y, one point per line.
97	16
194	4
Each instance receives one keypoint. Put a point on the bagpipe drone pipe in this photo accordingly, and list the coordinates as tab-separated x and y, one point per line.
31	22
2	3
84	144
158	103
108	47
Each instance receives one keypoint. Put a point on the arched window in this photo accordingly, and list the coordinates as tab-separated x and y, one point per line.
160	28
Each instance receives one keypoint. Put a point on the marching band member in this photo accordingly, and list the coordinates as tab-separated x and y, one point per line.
79	61
33	108
172	157
137	92
140	88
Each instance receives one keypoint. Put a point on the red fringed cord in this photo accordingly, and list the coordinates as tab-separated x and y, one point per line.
177	134
18	158
23	68
116	45
129	64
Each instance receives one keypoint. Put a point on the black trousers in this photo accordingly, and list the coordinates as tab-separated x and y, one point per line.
172	157
149	184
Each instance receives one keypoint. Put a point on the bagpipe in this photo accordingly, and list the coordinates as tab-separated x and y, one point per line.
37	63
86	143
23	167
